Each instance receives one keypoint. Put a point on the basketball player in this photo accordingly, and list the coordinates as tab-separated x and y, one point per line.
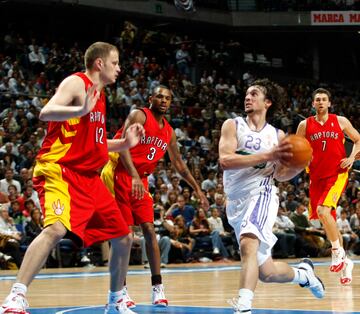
73	198
126	177
325	132
252	154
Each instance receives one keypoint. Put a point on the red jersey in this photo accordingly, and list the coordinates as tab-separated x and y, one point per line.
151	147
327	142
78	143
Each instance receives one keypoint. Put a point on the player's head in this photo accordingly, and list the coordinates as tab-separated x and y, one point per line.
160	100
321	100
103	58
264	94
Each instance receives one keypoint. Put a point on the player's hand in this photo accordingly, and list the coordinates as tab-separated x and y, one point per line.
92	96
203	201
137	188
282	152
133	134
347	163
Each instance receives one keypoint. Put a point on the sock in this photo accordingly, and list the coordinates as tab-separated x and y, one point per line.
19	288
299	276
156	280
245	299
113	297
335	244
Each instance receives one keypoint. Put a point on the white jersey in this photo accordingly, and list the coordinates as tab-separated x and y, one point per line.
240	182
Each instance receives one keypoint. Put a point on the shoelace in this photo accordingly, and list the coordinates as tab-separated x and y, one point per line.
234	303
19	297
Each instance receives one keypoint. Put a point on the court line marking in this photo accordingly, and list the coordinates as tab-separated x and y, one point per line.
141	272
213	307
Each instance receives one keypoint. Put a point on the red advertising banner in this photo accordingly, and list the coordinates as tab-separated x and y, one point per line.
320	18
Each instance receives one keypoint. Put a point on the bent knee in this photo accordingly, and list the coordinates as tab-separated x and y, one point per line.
268	277
323	211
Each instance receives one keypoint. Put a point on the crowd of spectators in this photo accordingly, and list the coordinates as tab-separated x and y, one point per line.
30	70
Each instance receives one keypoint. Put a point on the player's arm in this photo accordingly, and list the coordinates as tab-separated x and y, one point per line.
301	130
227	150
354	135
133	135
282	171
138	189
70	100
184	171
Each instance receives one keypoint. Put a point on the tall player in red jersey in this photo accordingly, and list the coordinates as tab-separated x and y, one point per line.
126	177
328	172
74	200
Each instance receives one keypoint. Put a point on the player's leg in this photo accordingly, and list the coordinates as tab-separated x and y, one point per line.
303	274
153	254
57	221
107	223
143	214
326	202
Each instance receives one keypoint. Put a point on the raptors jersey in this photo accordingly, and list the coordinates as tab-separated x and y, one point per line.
151	147
78	143
241	182
327	142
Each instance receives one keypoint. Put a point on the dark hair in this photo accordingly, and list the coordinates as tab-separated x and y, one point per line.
320	91
97	50
158	87
273	92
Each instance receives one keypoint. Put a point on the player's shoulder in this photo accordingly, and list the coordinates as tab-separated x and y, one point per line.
137	115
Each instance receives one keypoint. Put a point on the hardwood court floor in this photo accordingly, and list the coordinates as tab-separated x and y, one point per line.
204	285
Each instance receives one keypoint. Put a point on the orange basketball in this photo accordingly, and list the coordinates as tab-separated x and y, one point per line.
302	151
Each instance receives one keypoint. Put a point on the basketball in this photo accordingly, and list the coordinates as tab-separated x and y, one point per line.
302	151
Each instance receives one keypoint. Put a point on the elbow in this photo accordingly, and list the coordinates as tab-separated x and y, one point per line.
43	115
224	162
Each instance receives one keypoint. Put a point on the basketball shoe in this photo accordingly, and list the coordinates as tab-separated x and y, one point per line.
158	296
346	273
129	302
337	259
237	307
15	303
118	308
314	283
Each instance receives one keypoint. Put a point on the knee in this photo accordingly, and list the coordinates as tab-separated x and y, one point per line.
323	212
55	232
267	277
122	242
249	245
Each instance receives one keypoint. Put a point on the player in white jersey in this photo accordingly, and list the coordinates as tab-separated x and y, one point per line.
252	154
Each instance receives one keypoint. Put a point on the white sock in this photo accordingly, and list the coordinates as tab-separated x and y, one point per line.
336	244
245	299
113	297
19	288
299	276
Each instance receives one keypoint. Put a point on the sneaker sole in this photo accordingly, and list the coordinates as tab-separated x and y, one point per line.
161	303
337	268
309	262
130	305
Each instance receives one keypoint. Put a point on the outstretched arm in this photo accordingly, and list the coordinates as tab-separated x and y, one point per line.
70	100
184	171
133	135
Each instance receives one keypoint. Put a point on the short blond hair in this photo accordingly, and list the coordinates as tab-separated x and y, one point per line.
97	50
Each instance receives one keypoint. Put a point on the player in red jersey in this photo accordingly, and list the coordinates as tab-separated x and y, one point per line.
126	177
328	172
73	198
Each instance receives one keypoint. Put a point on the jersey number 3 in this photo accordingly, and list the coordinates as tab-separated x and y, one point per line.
152	153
